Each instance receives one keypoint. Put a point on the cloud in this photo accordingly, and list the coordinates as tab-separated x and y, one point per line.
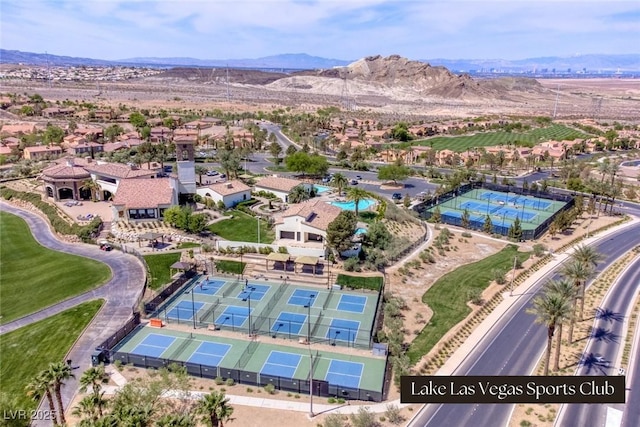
347	29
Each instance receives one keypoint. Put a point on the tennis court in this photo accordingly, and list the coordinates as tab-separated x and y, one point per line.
281	364
255	362
254	291
208	287
233	316
288	323
185	310
352	303
209	353
345	374
303	297
153	345
343	330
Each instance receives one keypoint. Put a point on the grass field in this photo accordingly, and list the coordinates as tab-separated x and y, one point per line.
242	228
159	268
233	267
34	277
30	349
530	138
449	295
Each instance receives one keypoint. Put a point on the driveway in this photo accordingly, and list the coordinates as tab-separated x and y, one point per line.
120	294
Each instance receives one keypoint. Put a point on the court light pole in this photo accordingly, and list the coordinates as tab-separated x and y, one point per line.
308	307
193	309
248	299
311	414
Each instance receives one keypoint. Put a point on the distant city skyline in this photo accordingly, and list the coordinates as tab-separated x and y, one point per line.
346	29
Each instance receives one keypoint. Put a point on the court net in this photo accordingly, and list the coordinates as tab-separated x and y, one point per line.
183	345
326	302
231	288
209	312
246	354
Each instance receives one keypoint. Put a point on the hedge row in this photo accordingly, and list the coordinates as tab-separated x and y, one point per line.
85	232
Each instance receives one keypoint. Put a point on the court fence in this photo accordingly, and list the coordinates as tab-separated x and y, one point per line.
423	208
120	334
321	388
168	291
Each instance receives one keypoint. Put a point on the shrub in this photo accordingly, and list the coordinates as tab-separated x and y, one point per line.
351	264
218	381
118	364
270	388
539	250
498	276
364	418
393	414
331	400
229	382
334	420
466	234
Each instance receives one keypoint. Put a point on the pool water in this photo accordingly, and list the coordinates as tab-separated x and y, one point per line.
322	188
360	231
363	204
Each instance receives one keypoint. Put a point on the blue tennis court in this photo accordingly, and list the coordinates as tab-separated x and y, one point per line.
288	323
478	207
302	297
345	374
281	364
535	204
515	213
498	197
209	353
352	303
208	287
233	316
343	330
153	345
256	292
184	310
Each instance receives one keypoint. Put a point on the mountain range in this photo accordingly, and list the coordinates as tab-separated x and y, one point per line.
591	63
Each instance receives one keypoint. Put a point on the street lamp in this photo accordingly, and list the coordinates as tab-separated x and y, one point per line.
308	307
258	218
193	308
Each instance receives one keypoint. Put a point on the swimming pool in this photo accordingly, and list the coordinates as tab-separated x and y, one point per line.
322	188
631	163
363	205
360	231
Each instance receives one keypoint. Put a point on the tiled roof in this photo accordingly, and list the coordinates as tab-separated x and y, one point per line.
118	170
66	169
43	149
19	128
279	184
228	188
143	193
316	213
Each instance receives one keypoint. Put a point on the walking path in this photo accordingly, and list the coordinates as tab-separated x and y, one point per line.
120	294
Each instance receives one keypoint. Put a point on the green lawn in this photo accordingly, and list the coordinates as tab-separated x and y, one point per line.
159	268
242	228
360	282
449	295
30	349
530	138
51	276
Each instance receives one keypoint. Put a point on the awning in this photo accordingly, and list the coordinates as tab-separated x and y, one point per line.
307	260
276	256
149	235
181	265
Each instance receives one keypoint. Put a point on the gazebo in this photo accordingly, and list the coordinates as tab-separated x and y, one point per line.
151	236
277	257
306	260
180	266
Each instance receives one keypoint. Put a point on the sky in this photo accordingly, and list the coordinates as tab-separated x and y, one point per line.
337	29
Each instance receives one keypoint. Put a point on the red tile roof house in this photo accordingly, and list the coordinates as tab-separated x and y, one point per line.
281	187
231	192
143	199
85	148
305	224
18	129
42	151
110	176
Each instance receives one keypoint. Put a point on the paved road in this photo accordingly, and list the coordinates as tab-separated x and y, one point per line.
512	347
120	294
607	337
631	416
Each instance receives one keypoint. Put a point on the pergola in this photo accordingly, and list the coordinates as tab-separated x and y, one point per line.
277	257
180	266
149	235
306	260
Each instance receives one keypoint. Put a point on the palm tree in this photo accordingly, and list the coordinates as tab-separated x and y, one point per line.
588	255
87	409
355	195
93	378
41	386
340	181
298	194
200	170
92	186
214	409
549	309
578	272
566	290
60	372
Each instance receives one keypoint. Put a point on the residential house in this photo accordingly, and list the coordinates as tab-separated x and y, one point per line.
281	187
18	129
51	112
160	134
38	152
305	223
198	125
105	115
143	199
85	147
230	193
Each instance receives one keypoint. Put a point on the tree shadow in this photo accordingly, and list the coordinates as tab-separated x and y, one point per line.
608	315
595	363
605	335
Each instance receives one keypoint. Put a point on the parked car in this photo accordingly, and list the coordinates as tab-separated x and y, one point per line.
396	196
105	246
353	182
223	176
326	179
358	177
212	173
